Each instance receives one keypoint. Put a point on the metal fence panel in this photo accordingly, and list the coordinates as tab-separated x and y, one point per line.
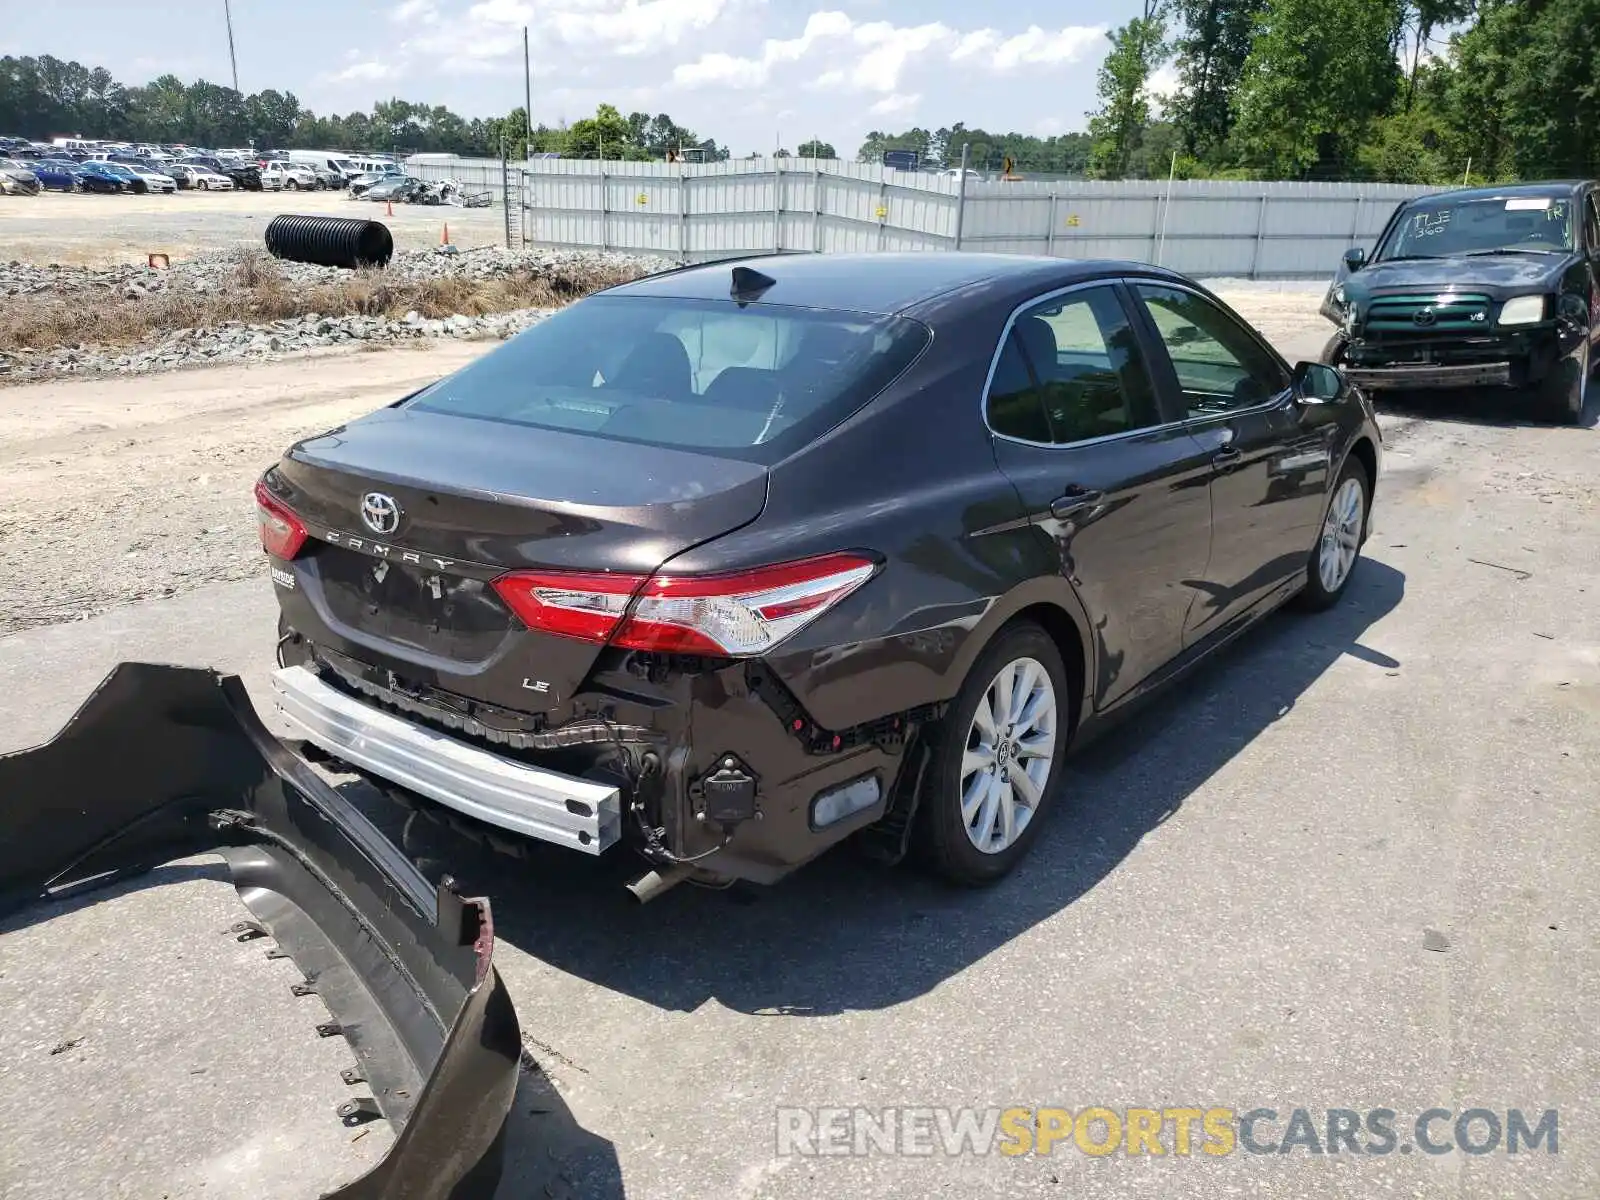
695	211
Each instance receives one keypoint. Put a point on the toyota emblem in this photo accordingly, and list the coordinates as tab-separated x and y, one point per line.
1424	316
380	513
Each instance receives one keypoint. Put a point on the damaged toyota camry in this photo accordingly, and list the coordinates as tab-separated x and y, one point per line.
736	561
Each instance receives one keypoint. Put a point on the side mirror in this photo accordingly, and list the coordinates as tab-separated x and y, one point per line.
1355	257
1318	383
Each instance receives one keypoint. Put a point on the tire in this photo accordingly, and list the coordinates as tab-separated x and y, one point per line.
948	838
1348	531
292	186
1564	393
1333	352
201	184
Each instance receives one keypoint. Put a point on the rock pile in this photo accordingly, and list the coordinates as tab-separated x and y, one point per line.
237	341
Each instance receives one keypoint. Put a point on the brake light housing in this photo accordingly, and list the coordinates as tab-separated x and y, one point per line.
734	614
282	533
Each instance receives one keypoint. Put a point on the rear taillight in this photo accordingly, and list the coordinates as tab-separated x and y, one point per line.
736	614
282	534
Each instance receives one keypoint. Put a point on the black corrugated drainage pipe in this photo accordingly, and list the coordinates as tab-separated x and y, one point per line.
330	241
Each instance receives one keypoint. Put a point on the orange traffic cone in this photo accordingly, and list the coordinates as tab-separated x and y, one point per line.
444	238
389	207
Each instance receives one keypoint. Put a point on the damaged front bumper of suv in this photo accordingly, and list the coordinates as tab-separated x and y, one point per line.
163	762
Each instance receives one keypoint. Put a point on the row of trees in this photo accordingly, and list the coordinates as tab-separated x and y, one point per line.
44	97
1421	91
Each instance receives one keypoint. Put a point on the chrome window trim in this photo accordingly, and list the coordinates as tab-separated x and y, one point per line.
1143	430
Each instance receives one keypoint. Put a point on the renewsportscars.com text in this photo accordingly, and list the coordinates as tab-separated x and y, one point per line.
1172	1131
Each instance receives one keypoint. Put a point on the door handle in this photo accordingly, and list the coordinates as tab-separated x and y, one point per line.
1226	458
1074	500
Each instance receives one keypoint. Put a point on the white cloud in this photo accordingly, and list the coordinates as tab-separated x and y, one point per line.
880	52
635	28
1032	47
1162	86
896	105
880	67
422	12
720	70
365	71
727	70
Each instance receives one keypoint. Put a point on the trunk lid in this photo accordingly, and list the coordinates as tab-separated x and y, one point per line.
410	591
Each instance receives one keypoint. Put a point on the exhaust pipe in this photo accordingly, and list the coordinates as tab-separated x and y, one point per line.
652	883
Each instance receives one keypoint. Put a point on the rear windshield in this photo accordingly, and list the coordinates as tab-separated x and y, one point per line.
753	383
1511	223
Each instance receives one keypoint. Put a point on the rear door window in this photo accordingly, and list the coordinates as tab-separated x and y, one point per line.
753	382
1071	371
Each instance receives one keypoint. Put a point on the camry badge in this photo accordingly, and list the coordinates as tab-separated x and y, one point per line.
380	513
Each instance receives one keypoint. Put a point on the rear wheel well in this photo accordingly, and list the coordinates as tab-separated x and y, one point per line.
1364	454
1055	621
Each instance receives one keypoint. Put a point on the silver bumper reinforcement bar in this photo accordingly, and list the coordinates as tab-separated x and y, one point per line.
580	814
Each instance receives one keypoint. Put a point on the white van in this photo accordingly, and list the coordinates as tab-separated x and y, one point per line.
332	160
382	165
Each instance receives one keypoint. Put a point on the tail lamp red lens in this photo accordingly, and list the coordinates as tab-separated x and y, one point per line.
734	614
282	534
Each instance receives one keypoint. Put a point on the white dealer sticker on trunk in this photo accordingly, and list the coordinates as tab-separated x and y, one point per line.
283	578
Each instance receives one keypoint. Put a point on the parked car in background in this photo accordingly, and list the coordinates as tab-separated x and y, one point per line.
644	574
155	181
201	179
360	183
326	178
135	182
244	177
1496	286
18	179
56	175
396	188
98	177
288	177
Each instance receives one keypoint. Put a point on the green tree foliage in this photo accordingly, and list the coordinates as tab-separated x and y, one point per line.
45	97
1319	74
1067	154
1118	126
1210	50
816	149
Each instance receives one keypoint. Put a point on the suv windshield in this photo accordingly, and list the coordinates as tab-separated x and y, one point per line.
1439	228
754	383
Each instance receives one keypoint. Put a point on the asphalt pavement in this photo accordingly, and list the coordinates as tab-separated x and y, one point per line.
1350	866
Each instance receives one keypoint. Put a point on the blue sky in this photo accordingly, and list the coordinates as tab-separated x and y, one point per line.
746	72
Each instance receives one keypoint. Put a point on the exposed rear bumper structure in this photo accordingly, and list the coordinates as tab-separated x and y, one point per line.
163	762
577	813
1461	375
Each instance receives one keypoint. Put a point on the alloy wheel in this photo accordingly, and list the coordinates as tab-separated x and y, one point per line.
1009	750
1341	535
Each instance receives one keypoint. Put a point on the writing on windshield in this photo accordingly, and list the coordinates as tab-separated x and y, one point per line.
1515	224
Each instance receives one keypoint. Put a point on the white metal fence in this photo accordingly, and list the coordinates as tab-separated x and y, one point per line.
480	174
693	212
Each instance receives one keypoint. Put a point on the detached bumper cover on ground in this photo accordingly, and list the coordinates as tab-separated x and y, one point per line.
162	762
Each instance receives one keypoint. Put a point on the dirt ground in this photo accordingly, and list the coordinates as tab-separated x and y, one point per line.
130	489
89	230
125	490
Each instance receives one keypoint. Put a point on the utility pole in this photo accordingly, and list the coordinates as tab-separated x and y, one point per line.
227	15
527	87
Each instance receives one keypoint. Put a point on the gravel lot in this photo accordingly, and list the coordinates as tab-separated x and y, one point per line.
1352	865
101	230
